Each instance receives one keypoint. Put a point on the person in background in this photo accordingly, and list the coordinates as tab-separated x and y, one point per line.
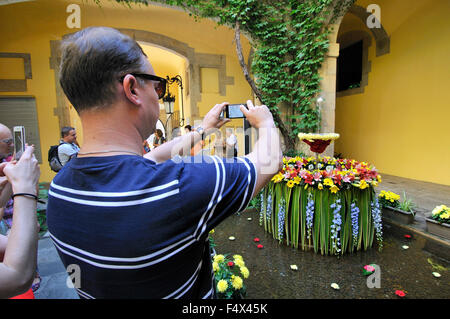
68	144
187	129
231	144
18	251
159	138
6	203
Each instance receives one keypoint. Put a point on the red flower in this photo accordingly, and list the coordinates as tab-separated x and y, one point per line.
260	246
230	264
408	236
256	239
400	293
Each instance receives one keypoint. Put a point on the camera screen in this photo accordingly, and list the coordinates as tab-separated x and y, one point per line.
234	111
19	143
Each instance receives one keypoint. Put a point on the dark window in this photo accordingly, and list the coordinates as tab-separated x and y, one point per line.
349	67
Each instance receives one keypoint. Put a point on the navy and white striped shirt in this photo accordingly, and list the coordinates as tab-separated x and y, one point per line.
138	229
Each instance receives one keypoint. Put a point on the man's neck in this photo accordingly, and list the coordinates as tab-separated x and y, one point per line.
111	132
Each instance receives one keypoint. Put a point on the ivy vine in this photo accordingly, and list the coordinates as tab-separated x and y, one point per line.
290	41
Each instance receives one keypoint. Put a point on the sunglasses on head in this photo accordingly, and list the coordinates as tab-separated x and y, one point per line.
160	88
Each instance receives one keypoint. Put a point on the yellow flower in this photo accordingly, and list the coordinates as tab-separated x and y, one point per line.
374	183
334	189
320	186
222	285
245	272
239	262
218	258
379	178
212	231
277	178
328	182
297	180
237	257
290	184
363	184
236	282
445	216
215	266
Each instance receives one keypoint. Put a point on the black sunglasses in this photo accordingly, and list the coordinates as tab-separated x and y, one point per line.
160	88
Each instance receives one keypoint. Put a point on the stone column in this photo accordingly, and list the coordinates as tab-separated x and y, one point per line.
328	88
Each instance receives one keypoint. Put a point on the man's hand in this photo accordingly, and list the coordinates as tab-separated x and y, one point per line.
212	120
258	116
23	174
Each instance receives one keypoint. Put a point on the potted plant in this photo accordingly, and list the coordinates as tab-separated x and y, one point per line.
439	221
228	276
396	210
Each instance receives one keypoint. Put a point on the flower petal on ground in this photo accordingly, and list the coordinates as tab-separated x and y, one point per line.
335	286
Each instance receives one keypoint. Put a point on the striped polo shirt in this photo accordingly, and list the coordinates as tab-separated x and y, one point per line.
132	228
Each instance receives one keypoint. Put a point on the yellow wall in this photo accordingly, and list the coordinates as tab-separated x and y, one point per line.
401	121
29	27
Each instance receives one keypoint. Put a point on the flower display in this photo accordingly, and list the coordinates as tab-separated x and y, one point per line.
441	214
327	173
323	203
387	198
228	275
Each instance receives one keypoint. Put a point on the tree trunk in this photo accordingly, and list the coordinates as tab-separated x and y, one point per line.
289	142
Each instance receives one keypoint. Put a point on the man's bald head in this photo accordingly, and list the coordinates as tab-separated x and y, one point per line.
6	141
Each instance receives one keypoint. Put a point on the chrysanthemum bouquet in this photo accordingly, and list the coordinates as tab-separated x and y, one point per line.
228	275
441	214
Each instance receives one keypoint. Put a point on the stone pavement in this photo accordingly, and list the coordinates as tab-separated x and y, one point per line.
53	273
425	195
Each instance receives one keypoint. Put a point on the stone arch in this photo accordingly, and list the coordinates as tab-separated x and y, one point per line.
195	59
382	39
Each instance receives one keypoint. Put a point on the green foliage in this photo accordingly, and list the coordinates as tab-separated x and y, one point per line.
290	39
407	204
293	153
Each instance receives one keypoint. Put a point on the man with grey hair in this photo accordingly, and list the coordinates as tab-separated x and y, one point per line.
137	226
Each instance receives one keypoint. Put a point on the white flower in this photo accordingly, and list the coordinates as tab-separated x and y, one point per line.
249	218
436	274
294	267
405	247
335	286
231	238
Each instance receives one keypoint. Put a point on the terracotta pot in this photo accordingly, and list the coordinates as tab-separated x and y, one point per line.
398	215
435	228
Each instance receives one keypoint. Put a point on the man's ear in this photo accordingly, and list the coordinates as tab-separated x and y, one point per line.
131	89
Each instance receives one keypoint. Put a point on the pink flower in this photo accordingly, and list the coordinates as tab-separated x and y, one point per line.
369	268
400	293
260	246
408	236
256	239
317	176
230	264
